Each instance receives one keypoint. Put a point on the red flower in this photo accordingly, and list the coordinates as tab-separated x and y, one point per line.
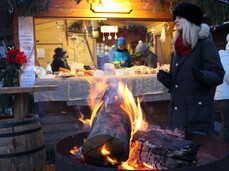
15	56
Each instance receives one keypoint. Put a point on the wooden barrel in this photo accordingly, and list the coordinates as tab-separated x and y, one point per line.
22	146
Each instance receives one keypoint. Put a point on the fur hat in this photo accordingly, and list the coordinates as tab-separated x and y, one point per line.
204	31
189	11
59	52
141	47
227	46
121	41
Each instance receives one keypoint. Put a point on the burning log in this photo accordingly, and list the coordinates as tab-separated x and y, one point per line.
164	150
111	129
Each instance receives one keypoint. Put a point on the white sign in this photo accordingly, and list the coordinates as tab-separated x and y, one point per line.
109	29
26	40
40	53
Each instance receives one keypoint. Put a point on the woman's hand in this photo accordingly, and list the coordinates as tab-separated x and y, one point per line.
123	62
117	66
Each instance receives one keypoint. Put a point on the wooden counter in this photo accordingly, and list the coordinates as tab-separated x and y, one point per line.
21	97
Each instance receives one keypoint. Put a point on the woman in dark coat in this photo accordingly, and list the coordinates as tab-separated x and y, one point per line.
59	60
195	71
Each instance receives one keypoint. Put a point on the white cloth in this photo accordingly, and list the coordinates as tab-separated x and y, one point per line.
222	91
77	89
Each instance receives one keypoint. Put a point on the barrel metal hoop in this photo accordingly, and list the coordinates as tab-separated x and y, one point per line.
21	153
7	125
20	133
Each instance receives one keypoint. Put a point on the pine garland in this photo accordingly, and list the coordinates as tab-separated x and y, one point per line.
215	11
29	7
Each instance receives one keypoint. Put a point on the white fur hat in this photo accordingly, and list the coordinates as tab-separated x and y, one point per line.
227	46
141	47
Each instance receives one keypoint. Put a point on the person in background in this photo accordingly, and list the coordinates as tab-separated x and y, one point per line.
114	48
148	57
195	71
60	60
121	57
222	95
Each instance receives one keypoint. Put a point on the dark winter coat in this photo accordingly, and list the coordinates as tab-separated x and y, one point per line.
192	102
59	62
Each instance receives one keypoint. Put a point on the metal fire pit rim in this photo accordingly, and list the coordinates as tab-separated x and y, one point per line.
222	160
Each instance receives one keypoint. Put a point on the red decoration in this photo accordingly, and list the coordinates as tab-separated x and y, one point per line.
138	31
125	33
15	56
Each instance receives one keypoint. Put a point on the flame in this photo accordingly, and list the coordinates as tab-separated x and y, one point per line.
94	113
94	99
85	122
134	112
148	166
105	152
74	150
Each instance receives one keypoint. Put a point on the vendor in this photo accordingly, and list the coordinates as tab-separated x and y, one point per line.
121	57
148	57
60	60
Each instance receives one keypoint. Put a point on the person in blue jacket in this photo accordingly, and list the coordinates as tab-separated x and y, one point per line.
121	57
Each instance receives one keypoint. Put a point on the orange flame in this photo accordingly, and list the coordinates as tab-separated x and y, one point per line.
97	90
85	122
94	112
74	150
134	112
106	153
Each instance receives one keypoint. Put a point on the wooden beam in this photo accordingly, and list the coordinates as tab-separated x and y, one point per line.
160	15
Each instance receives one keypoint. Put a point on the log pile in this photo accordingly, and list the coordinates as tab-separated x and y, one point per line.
164	150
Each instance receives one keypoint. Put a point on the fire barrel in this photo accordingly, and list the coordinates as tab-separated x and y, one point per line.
22	145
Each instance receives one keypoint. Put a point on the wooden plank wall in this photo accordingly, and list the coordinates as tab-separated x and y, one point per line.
59	121
52	33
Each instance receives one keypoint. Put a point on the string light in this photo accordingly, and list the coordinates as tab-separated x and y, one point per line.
103	37
116	36
109	37
171	7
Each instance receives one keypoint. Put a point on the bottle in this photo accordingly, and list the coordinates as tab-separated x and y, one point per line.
48	68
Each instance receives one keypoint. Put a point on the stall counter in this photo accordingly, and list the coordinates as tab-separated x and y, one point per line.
76	90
